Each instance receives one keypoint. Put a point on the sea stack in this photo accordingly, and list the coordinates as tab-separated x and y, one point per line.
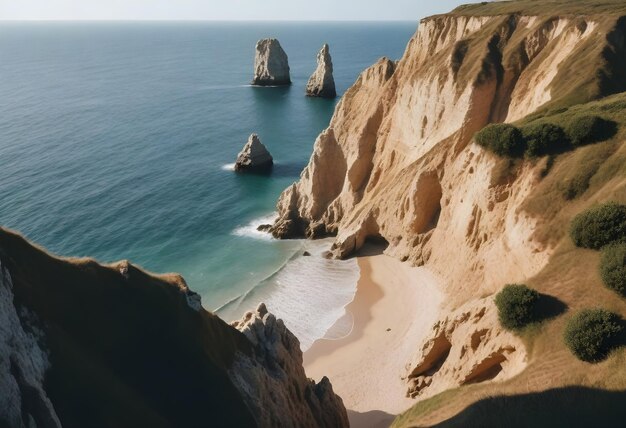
322	83
254	157
271	65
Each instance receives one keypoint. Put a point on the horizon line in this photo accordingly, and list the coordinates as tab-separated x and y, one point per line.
203	20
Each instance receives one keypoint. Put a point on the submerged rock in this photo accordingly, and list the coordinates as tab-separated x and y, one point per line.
322	83
271	65
254	157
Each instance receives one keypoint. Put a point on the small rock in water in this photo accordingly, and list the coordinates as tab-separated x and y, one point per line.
254	157
264	228
271	65
322	83
327	255
306	253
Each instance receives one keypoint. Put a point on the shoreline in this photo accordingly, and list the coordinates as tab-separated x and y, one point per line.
393	310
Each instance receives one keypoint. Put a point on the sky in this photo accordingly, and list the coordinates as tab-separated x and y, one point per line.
312	10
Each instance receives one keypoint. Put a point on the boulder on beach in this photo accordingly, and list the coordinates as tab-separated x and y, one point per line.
322	83
254	157
271	65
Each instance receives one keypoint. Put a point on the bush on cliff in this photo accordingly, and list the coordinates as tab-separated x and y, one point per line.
613	268
599	226
502	139
544	138
517	306
584	130
592	334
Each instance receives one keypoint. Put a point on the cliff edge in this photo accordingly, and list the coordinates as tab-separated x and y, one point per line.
85	344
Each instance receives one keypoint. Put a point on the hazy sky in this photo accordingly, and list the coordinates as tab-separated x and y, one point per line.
224	9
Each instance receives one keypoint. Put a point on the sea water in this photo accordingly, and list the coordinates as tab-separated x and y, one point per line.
117	141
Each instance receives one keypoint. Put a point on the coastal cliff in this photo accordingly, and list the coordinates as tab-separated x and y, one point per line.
85	344
398	164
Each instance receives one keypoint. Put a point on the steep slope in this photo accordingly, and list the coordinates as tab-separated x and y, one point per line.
398	163
85	344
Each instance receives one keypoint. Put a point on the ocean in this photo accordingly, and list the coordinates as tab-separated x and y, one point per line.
117	141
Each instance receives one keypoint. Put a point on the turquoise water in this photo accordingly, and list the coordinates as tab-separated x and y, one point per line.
114	141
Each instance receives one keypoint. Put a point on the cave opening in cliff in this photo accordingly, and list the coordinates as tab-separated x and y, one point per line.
427	203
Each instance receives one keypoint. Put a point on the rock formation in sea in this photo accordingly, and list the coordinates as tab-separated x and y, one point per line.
322	82
398	163
84	344
271	65
254	157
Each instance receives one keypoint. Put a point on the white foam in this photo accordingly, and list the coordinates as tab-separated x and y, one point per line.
250	230
309	294
228	167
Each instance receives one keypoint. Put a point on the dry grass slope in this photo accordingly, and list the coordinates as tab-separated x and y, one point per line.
542	7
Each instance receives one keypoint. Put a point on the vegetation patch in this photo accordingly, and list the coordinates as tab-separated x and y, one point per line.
517	306
585	130
541	138
599	226
613	268
545	138
502	139
592	334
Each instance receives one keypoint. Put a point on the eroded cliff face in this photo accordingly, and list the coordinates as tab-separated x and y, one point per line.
84	344
397	160
274	374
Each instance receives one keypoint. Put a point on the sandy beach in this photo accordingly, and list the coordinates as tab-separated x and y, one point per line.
394	308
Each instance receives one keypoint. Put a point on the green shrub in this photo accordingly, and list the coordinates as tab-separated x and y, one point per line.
613	267
502	139
544	138
592	333
517	306
590	129
599	226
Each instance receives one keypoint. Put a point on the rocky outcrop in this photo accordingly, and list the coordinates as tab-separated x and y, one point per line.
271	65
254	157
23	364
322	82
118	346
274	373
467	346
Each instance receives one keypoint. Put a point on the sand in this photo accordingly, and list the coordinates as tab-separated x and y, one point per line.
394	308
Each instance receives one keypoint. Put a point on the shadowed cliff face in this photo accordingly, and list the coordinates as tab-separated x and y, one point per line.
91	345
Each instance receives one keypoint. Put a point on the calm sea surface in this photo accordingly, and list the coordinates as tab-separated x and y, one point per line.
115	141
